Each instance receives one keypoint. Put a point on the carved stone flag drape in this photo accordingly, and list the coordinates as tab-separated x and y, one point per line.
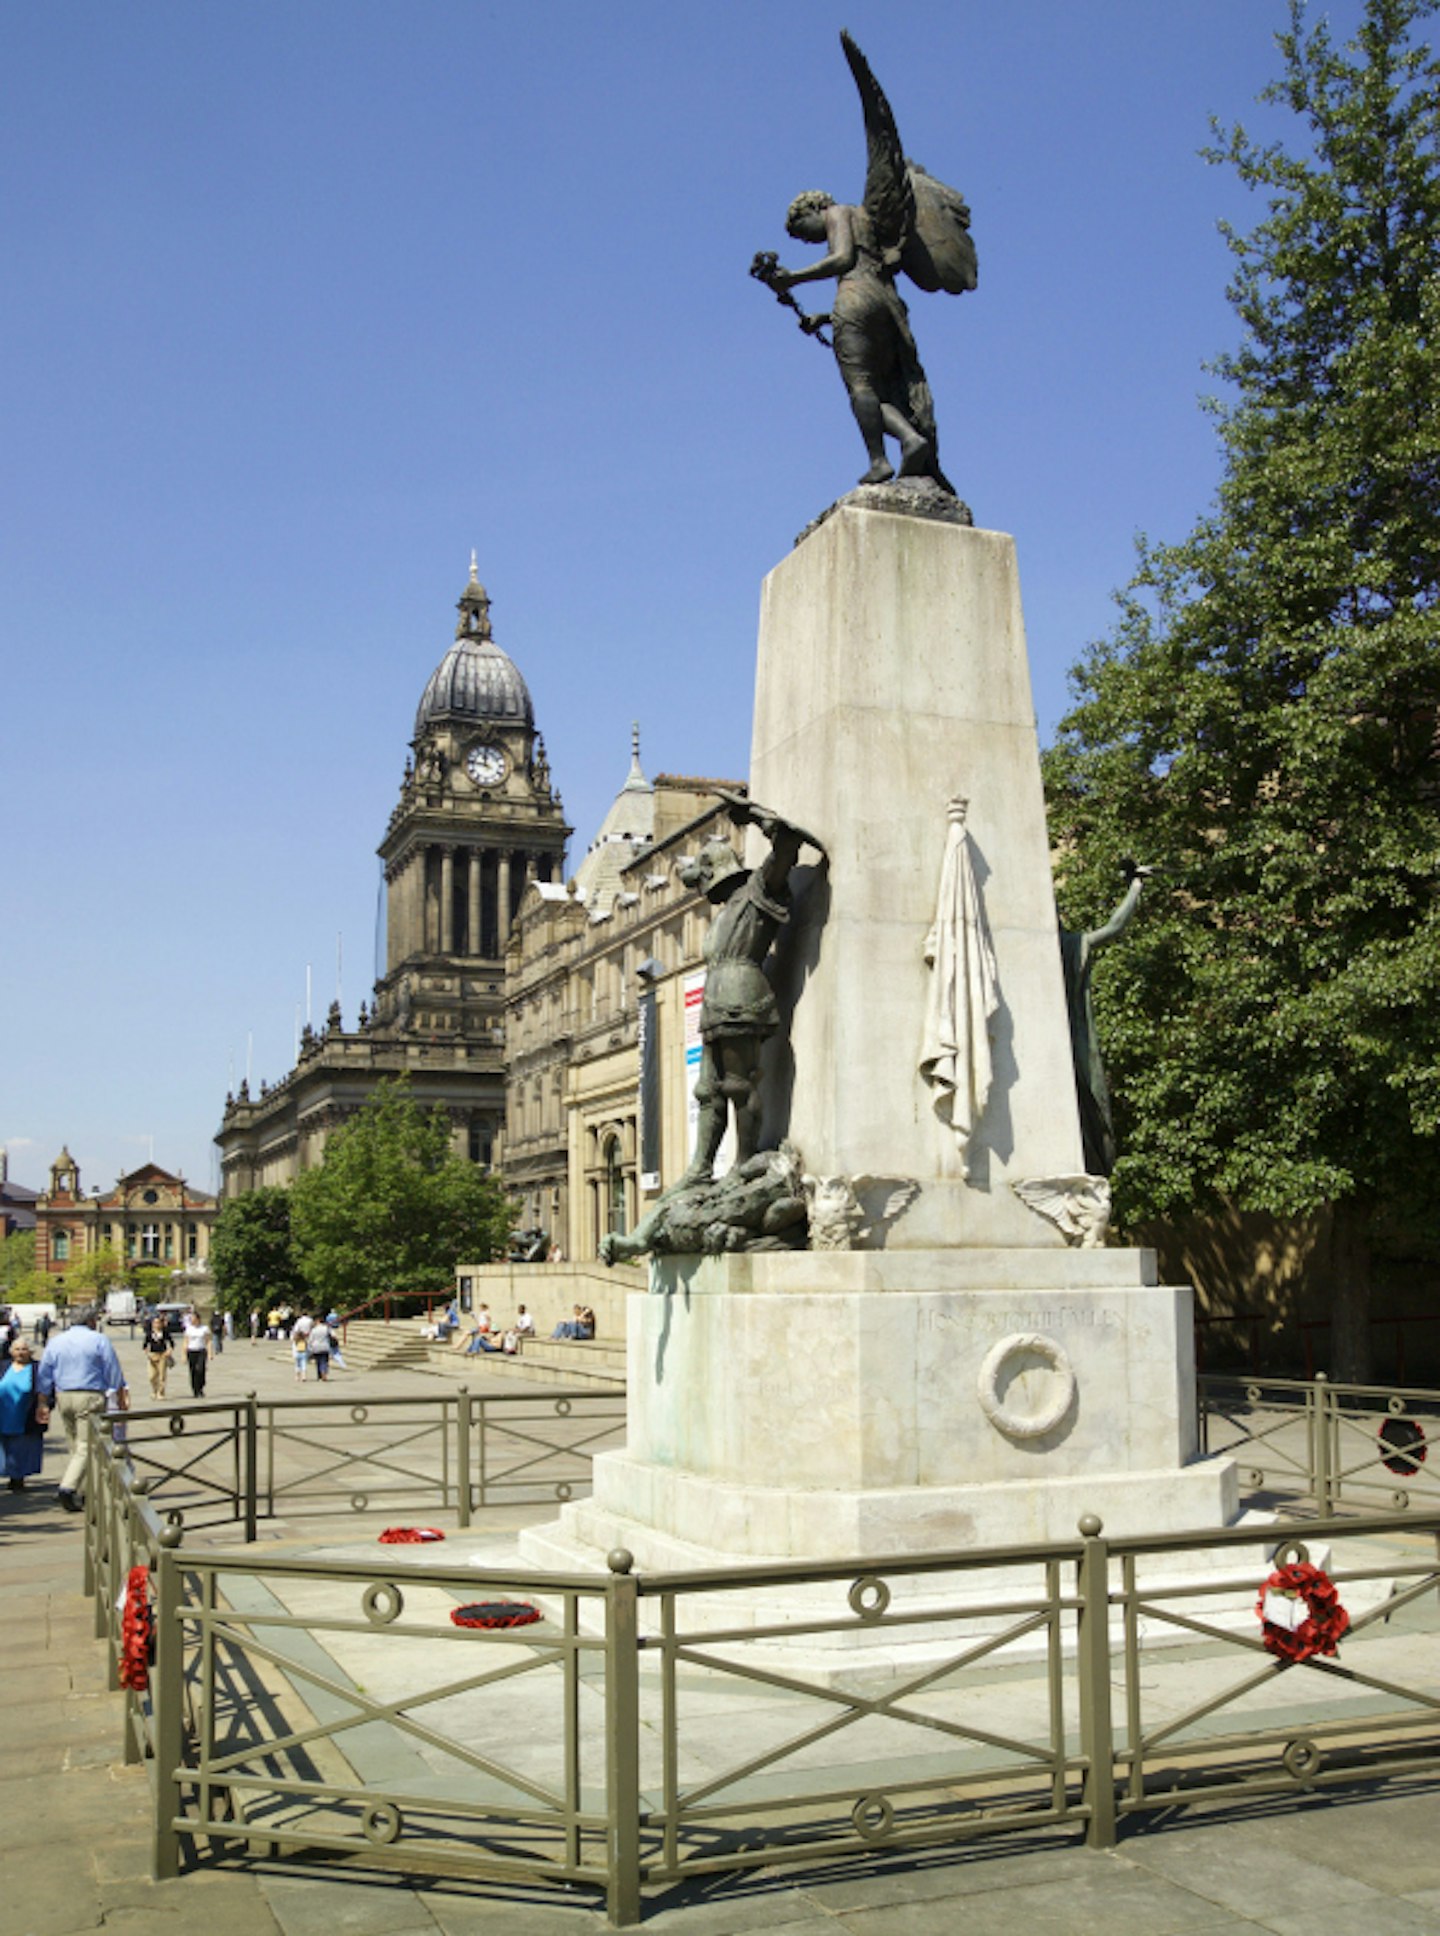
964	991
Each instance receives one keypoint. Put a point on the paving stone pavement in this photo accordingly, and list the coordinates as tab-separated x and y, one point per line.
76	1832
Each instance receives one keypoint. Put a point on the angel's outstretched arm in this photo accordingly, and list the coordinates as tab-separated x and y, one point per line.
840	259
1120	920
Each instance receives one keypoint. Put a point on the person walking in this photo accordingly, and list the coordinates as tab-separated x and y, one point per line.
158	1355
337	1357
318	1346
78	1369
254	1322
199	1348
22	1433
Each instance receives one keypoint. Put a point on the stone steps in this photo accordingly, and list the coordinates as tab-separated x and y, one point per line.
373	1345
370	1344
543	1361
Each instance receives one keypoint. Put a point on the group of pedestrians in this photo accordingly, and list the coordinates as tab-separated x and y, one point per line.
22	1430
13	1326
200	1340
79	1377
316	1341
479	1332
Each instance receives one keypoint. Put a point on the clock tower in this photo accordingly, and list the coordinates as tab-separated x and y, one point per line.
477	820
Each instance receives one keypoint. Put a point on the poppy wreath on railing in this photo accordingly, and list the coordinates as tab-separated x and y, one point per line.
495	1613
1287	1632
409	1535
137	1631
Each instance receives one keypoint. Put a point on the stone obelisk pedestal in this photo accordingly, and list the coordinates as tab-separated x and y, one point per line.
892	676
961	1379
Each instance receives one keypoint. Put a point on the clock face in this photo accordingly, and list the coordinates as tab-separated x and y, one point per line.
485	765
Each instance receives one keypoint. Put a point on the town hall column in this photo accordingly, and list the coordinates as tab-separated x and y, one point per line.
393	891
447	900
472	931
422	898
502	911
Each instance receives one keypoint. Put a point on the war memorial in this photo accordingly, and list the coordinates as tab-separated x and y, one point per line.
946	1354
908	1549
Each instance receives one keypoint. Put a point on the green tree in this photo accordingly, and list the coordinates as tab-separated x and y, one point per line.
17	1257
252	1253
391	1207
154	1284
91	1276
1263	721
35	1287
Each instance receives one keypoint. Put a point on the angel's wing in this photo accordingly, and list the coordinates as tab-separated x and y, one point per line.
938	253
889	196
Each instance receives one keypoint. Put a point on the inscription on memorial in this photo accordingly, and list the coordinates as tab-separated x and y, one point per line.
1017	1318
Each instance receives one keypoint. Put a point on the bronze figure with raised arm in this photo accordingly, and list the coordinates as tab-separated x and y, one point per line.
739	1009
907	221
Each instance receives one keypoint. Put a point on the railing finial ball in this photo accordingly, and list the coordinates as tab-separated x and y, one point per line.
1090	1525
619	1560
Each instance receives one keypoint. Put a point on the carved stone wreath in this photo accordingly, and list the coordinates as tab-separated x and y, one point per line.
1060	1396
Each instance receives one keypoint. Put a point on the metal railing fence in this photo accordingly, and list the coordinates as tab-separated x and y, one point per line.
650	1729
242	1461
531	1448
1333	1447
1256	1736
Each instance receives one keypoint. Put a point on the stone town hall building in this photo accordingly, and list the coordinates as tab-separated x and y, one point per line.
476	822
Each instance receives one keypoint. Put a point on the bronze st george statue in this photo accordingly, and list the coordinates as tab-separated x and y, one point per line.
759	1203
908	221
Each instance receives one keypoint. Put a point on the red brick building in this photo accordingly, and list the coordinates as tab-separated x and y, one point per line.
149	1217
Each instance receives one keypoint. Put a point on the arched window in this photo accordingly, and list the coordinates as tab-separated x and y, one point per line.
60	1246
614	1188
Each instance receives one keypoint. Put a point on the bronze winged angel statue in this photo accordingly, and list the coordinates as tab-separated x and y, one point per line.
907	221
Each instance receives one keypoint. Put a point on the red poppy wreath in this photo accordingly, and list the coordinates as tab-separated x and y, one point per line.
137	1631
495	1613
1300	1612
409	1535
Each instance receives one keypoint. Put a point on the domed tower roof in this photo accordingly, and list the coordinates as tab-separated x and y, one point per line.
627	830
475	679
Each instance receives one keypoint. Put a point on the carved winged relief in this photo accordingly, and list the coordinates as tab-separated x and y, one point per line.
907	221
1078	1206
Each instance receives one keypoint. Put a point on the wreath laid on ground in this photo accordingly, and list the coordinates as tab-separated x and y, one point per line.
495	1613
137	1631
409	1535
1403	1447
1289	1632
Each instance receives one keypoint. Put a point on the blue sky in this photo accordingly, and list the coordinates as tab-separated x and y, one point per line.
302	301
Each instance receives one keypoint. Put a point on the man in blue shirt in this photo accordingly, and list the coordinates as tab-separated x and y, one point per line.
78	1370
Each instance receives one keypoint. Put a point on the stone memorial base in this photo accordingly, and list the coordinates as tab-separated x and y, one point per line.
964	1381
847	1405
